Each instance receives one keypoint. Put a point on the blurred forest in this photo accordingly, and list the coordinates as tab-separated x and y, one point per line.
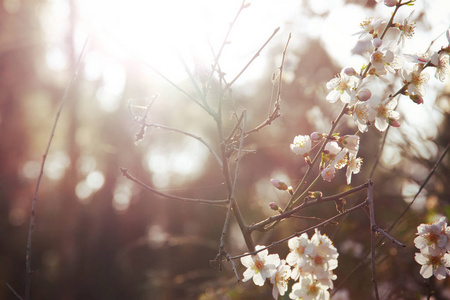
101	236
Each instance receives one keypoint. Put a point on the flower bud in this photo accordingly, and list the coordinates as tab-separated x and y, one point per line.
279	184
314	195
416	99
317	137
394	123
364	95
275	207
377	42
350	71
390	3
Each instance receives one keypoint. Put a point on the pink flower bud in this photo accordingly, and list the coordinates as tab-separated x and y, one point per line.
364	95
279	184
274	206
376	42
394	123
349	71
416	99
316	137
390	3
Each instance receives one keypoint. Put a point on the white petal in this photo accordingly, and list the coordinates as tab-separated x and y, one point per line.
426	271
258	279
248	274
247	261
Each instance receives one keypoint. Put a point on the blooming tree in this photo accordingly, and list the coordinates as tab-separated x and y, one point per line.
307	271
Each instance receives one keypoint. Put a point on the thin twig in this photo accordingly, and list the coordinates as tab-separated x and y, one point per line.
234	266
421	187
380	152
141	133
260	225
194	82
228	183
258	53
225	41
207	109
233	189
241	145
276	111
201	140
169	196
363	261
299	233
13	291
372	236
41	172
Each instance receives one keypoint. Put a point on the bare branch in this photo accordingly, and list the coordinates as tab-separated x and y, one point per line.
380	152
201	140
372	236
260	226
276	111
207	109
299	233
183	199
253	58
41	171
141	133
225	41
13	291
436	165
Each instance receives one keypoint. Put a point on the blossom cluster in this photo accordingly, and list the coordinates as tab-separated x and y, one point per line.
339	152
353	88
364	100
433	241
310	264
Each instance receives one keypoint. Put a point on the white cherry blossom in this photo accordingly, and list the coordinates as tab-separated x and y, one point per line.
280	280
353	166
300	247
385	113
301	145
260	266
309	288
342	87
371	26
415	79
436	264
441	61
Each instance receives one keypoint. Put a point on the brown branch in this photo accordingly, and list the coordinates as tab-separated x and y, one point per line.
362	262
140	135
372	237
201	140
225	41
258	53
183	199
299	233
276	111
380	152
13	291
260	226
422	186
41	171
233	190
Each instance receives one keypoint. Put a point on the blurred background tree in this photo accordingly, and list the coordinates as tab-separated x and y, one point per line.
99	236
